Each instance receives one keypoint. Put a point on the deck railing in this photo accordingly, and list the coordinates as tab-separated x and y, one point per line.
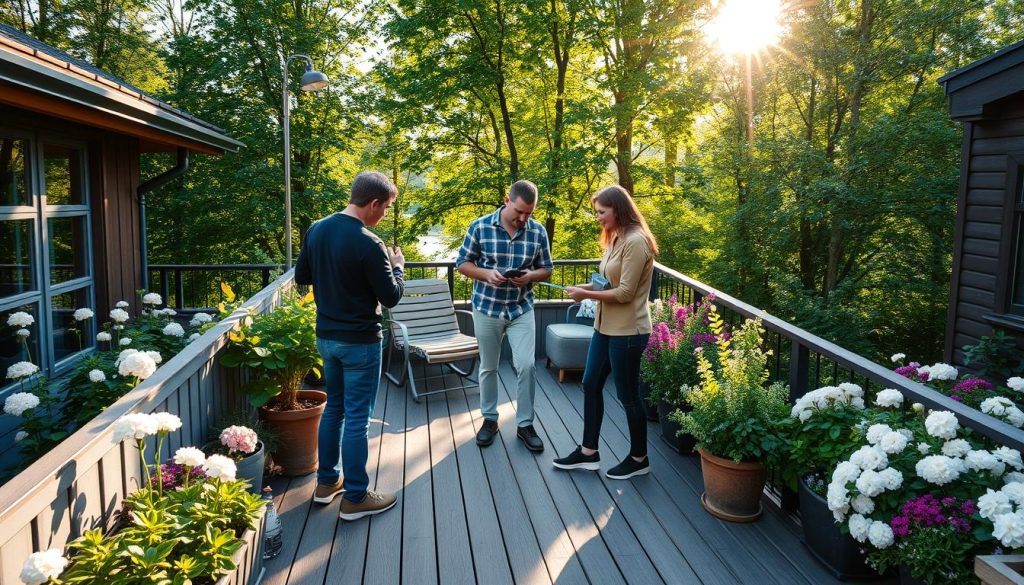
80	484
196	287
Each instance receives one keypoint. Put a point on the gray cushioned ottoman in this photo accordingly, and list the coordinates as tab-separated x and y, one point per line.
566	345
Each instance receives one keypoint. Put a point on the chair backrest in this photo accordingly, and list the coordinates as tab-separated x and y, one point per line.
426	309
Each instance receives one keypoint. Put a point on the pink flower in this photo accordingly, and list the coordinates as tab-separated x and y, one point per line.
238	438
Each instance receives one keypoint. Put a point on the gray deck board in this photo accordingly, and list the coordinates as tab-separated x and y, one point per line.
505	515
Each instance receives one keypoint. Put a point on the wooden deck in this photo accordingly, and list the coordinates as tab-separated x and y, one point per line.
504	515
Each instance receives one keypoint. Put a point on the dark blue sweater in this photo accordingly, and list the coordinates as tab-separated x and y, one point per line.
351	273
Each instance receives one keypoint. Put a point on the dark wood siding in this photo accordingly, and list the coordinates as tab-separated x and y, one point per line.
977	275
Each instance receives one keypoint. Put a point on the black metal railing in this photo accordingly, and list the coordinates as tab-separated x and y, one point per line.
196	287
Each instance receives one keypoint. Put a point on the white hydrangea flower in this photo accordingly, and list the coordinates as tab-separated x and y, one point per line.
135	425
1009	529
1014	476
20	436
876	432
996	406
122	304
891	478
220	467
16	404
994	504
889	398
859	526
942	424
191	456
83	314
40	567
156	312
1014	491
983	461
170	312
1016	383
956	448
917	407
1010	457
119	315
869	457
939	469
897	358
125	341
906	433
851	390
893	442
858	403
155	356
23	333
97	376
152	299
193	337
838	497
1015	416
20	319
870	483
941	371
103	336
166	422
862	504
200	318
880	535
923	448
19	370
174	330
137	364
125	353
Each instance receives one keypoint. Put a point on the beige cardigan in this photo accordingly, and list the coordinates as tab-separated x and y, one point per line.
628	264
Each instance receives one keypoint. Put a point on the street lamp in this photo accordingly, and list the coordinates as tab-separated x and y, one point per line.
311	81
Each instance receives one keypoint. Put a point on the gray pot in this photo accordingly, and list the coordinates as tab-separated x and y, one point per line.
250	468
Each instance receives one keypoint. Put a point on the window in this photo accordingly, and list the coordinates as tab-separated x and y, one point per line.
1016	292
45	250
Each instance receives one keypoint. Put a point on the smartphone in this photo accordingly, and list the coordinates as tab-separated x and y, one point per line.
514	273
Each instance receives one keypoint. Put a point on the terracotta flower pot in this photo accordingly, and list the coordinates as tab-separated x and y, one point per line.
297	429
732	491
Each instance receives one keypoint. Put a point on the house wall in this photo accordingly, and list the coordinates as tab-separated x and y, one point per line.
977	272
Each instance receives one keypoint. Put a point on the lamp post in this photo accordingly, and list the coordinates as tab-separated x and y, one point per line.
311	81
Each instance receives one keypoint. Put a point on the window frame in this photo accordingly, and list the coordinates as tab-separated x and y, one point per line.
1007	313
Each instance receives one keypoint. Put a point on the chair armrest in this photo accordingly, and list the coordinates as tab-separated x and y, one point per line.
402	329
469	314
568	309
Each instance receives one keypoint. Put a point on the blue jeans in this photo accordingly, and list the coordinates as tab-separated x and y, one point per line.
352	373
618	355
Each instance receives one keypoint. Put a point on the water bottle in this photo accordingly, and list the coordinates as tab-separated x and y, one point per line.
272	533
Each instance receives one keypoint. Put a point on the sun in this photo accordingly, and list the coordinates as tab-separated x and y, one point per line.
745	26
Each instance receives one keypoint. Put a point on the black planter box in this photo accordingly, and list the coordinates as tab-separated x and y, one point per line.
838	552
684	444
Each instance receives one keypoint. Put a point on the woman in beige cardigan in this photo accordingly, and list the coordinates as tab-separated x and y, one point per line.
622	326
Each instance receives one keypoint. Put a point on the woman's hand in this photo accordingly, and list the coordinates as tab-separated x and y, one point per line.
576	293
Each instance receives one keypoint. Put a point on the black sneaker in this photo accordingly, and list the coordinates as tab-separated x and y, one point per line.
629	468
529	437
577	460
485	436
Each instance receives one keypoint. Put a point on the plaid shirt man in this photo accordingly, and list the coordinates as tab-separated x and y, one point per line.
488	245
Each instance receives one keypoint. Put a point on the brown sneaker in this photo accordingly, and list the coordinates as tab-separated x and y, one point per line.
373	503
323	494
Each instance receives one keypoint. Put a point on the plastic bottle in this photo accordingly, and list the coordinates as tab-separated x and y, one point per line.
272	532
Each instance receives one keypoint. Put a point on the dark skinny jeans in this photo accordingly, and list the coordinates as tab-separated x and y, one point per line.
618	355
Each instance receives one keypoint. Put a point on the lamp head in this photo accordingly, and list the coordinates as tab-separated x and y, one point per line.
313	80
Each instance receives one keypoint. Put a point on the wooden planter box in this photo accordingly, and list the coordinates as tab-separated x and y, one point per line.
1000	569
248	559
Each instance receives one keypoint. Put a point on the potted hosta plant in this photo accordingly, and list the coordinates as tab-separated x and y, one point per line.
278	349
669	362
820	432
734	420
242	444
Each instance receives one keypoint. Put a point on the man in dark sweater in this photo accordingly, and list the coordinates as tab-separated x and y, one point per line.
352	273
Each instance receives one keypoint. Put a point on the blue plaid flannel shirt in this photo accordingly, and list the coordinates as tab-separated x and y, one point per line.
488	245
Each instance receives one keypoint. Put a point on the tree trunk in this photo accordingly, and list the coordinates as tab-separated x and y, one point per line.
623	143
506	120
671	158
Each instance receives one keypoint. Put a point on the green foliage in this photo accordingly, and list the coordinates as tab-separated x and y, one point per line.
937	556
813	447
279	349
995	357
734	415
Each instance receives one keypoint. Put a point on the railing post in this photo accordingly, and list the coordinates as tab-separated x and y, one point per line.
799	368
451	281
655	280
265	274
165	289
179	289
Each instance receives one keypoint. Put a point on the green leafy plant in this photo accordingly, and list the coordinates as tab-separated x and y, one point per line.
278	348
669	362
995	357
734	414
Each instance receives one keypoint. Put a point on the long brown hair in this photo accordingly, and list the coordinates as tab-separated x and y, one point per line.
626	213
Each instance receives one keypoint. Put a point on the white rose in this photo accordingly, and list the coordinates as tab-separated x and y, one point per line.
1014	491
1009	529
83	314
137	364
166	422
942	371
191	456
845	472
880	535
996	406
889	398
152	299
897	358
20	319
220	467
97	376
893	442
125	341
1016	383
16	404
956	448
942	424
119	315
1009	456
20	370
939	469
859	526
994	504
869	458
174	330
876	432
103	336
135	425
40	567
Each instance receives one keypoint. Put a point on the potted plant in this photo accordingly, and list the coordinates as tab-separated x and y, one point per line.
190	534
278	349
244	446
733	420
819	433
669	362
